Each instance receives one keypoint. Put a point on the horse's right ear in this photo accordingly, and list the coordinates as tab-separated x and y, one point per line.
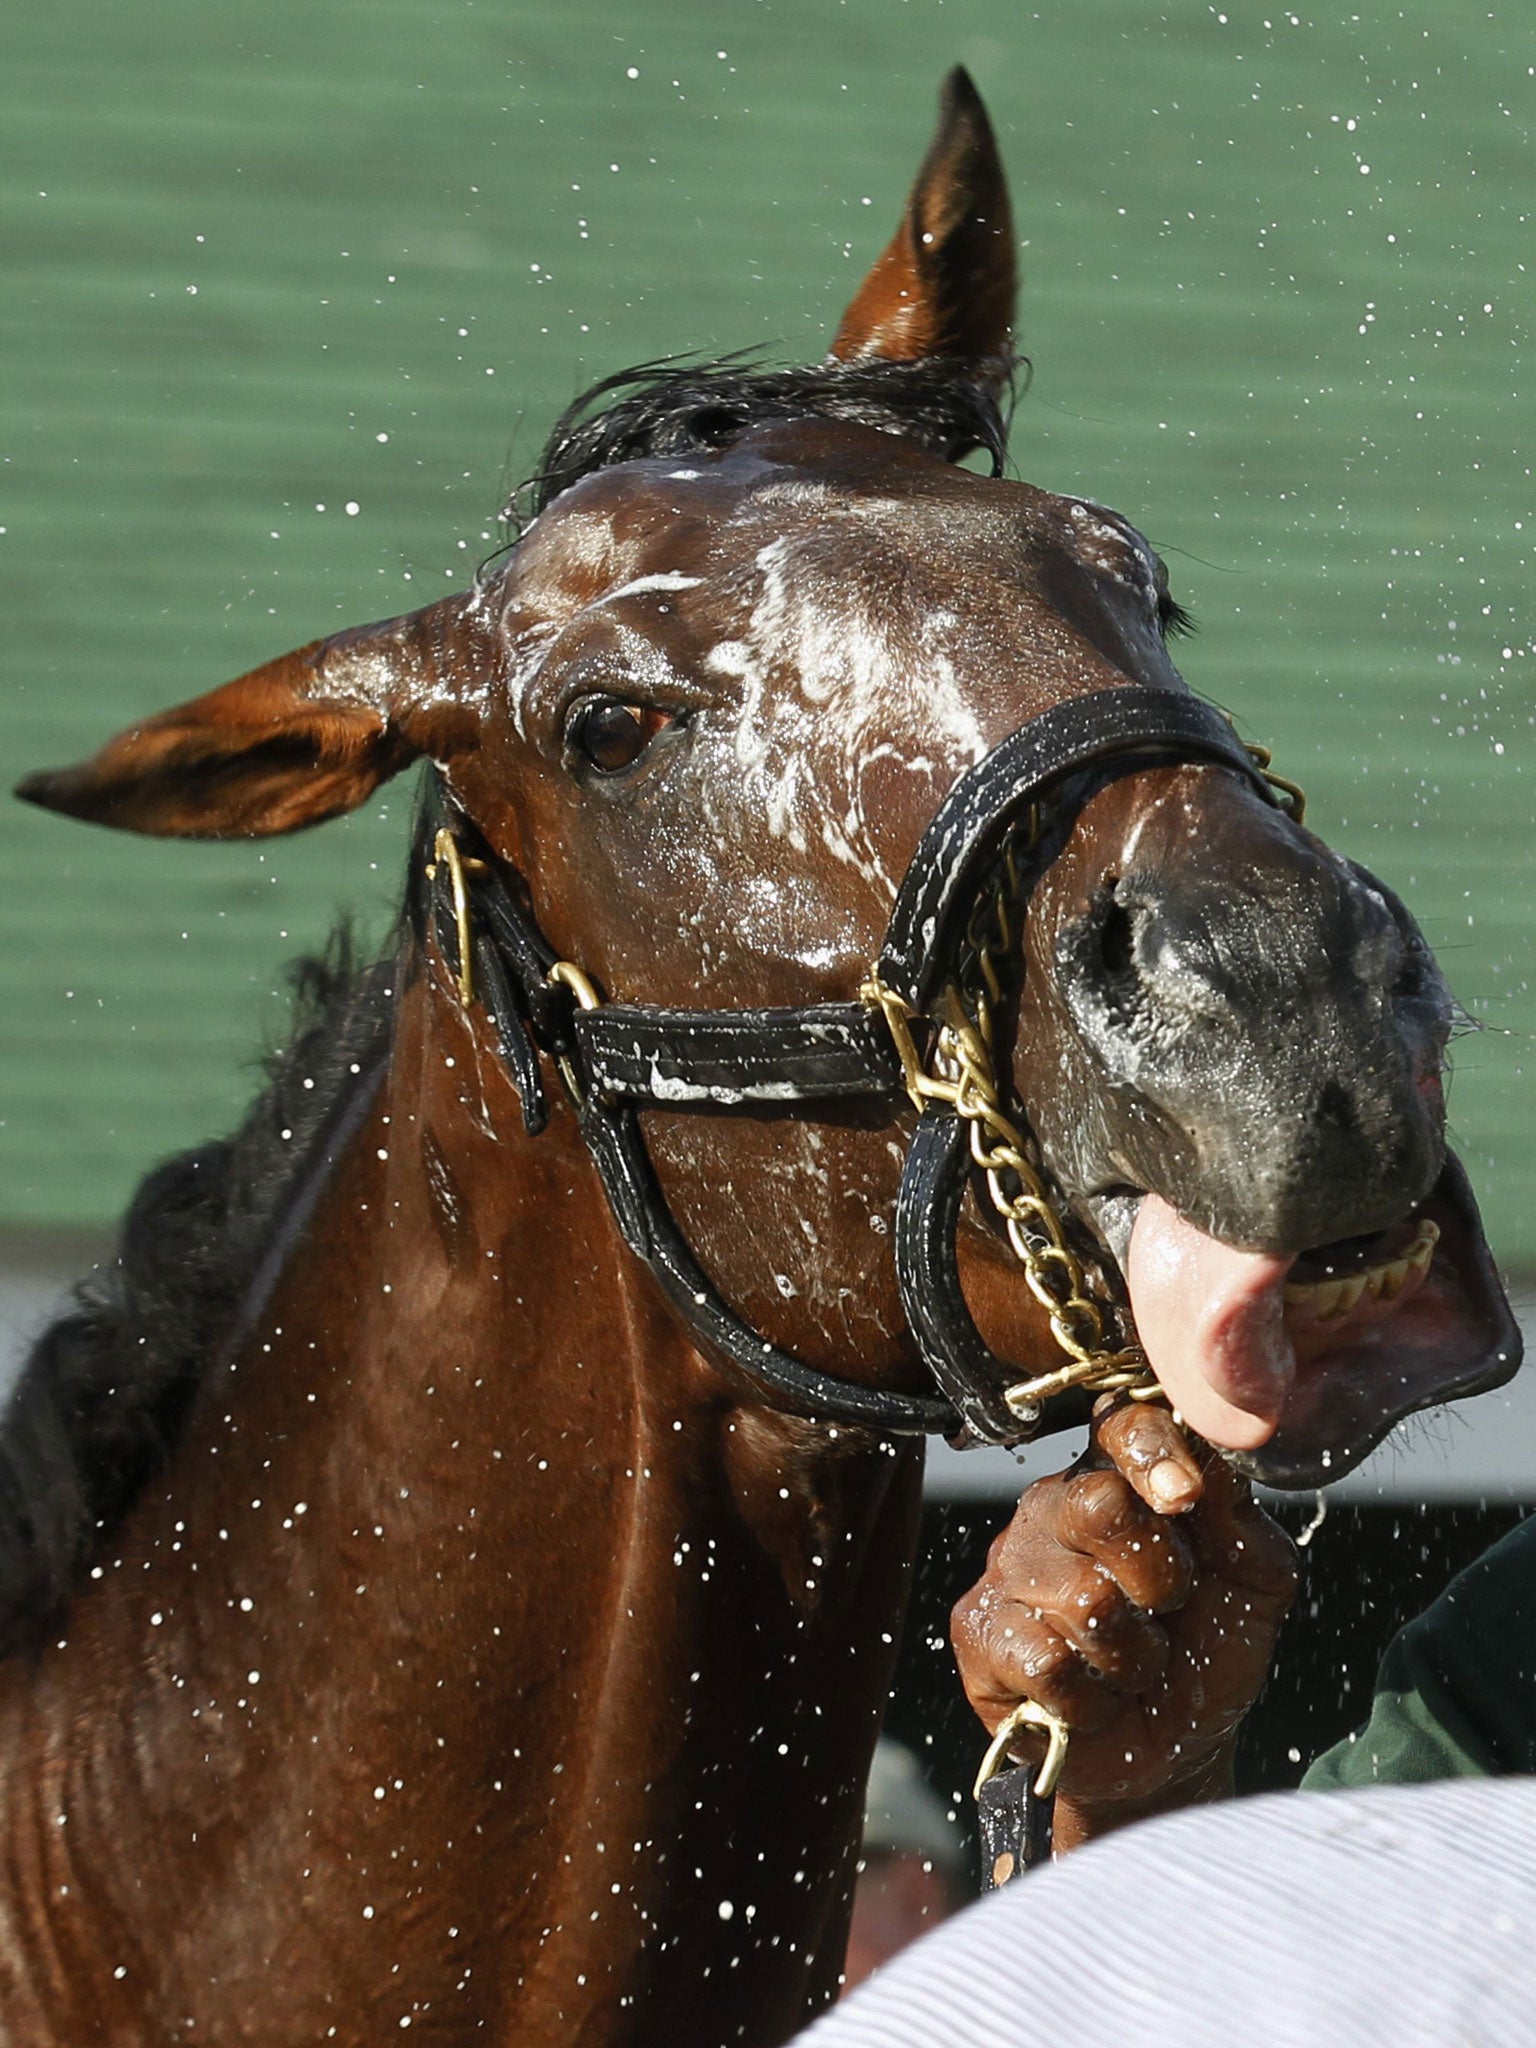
302	739
946	281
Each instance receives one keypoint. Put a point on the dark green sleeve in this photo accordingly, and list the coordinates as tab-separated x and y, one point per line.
1456	1692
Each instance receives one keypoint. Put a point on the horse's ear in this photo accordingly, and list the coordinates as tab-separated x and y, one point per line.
302	739
946	282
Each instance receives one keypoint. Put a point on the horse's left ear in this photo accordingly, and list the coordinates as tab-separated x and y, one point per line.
297	741
946	282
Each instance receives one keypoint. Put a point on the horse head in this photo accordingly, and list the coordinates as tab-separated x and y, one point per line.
761	628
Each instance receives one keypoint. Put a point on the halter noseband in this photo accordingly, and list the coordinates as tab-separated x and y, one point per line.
982	845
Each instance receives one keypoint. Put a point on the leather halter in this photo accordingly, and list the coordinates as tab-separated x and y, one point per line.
619	1058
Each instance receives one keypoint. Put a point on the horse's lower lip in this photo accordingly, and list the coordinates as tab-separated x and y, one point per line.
1356	1368
1453	1336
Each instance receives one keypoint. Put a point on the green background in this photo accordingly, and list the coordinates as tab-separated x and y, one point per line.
311	254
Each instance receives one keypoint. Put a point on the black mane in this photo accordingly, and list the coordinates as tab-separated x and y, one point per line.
106	1389
947	406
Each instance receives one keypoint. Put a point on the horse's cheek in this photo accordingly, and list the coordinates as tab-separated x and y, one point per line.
792	1220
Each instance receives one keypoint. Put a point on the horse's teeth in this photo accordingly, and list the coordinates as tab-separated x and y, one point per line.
1422	1250
1392	1277
1348	1294
1328	1299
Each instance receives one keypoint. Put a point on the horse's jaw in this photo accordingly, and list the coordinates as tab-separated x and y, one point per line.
1297	1365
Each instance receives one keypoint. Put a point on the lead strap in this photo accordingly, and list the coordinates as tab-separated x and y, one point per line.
1016	1827
1015	1803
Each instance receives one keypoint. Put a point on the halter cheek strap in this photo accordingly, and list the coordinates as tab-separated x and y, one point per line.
620	1058
616	1056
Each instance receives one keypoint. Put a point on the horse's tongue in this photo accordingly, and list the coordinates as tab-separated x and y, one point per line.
1212	1323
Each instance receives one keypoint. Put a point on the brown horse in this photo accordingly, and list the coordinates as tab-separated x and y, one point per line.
421	1617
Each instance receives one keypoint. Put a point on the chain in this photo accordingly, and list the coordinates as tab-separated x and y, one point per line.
963	1077
961	1072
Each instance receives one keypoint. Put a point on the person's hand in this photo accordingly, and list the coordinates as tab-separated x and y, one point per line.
1138	1596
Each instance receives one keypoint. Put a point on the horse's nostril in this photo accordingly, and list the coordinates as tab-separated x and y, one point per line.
1116	939
1336	1108
1097	962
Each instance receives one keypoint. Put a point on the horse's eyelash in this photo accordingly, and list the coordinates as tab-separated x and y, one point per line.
1173	620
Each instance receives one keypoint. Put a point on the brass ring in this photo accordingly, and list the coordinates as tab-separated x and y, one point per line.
446	848
1027	1714
566	974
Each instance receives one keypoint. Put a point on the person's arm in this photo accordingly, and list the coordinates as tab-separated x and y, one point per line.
1138	1596
1456	1692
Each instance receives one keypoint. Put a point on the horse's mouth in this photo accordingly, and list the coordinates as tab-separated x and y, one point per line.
1296	1367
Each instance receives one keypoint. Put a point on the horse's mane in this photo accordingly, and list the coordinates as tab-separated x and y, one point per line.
949	406
103	1395
104	1391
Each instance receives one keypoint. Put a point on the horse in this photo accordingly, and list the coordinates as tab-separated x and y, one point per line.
451	1563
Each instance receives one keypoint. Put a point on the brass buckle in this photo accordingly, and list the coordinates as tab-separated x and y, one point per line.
445	848
899	1017
1027	1714
566	974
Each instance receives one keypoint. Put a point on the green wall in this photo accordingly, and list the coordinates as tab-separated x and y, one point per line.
311	254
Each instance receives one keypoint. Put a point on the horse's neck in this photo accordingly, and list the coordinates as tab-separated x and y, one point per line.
560	1646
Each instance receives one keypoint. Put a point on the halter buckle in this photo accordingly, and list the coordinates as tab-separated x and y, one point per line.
446	849
566	974
1027	1714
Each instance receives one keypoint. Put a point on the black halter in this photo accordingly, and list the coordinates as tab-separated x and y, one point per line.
619	1058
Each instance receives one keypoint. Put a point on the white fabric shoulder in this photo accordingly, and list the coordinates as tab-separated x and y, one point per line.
1399	1917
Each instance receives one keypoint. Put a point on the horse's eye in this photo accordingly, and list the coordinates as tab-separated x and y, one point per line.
609	734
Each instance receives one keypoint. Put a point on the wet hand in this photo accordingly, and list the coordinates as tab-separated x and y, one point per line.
1138	1596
